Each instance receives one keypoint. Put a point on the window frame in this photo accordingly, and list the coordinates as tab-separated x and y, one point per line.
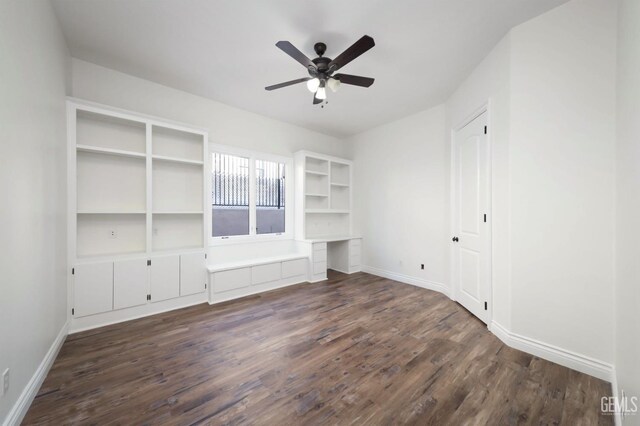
253	156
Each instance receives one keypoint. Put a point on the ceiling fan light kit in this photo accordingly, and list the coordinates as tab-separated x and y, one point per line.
321	69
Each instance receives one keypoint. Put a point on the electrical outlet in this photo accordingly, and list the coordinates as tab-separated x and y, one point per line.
422	266
155	231
113	233
5	381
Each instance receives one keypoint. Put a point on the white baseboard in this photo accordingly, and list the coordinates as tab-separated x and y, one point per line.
614	388
418	282
575	361
121	315
253	290
20	408
570	359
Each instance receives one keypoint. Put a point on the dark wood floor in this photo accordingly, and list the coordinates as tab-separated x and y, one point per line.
356	349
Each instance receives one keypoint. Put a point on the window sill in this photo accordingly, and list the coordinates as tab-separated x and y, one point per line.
244	239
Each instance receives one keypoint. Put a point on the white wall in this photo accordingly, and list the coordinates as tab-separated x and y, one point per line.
561	153
550	86
34	66
628	203
400	197
226	125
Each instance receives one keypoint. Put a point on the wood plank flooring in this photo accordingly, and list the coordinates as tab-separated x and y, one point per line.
356	349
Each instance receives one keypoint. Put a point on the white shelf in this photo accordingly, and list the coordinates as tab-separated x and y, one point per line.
177	160
317	195
341	185
137	184
325	211
110	151
110	212
180	212
313	172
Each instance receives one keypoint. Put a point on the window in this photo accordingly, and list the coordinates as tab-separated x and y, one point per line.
270	197
249	194
230	191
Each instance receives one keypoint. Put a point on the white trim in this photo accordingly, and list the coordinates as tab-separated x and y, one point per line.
566	358
617	417
570	359
135	312
239	293
21	406
407	279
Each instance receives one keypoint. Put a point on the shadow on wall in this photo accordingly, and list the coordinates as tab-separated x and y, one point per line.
235	221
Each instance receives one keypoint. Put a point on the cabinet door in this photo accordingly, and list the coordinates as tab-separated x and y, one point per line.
165	278
130	283
93	288
193	275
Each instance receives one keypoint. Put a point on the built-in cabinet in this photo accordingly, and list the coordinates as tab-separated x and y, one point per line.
323	196
323	214
137	196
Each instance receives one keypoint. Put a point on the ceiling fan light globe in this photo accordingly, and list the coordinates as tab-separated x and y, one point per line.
333	84
321	93
313	85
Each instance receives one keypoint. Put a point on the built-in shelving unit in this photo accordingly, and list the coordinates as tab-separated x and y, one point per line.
138	183
323	195
136	215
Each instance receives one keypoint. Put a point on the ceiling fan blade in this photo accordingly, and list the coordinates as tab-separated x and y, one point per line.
316	100
287	83
293	51
354	80
356	49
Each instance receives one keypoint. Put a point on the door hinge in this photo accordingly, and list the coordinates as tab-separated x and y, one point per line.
149	262
485	218
485	306
205	286
485	130
205	255
73	311
73	271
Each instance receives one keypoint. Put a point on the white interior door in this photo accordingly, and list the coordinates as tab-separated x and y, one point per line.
471	242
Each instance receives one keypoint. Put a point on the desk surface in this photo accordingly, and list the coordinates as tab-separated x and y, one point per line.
332	238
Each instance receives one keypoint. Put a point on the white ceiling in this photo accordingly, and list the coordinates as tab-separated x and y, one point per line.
225	49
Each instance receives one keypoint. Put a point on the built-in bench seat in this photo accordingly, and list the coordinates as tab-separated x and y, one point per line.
217	267
238	270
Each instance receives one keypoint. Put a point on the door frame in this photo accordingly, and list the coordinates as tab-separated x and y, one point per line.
484	108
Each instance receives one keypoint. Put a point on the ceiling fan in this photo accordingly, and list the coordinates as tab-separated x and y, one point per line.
321	69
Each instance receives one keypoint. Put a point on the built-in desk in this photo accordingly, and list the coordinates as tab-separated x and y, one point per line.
339	252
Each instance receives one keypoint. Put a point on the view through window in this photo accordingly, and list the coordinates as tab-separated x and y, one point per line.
233	190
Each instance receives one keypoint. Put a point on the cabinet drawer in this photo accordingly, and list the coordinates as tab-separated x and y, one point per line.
231	279
265	273
319	267
320	256
319	246
292	268
357	242
354	260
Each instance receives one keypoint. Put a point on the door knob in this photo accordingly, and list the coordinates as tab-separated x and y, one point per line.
455	239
